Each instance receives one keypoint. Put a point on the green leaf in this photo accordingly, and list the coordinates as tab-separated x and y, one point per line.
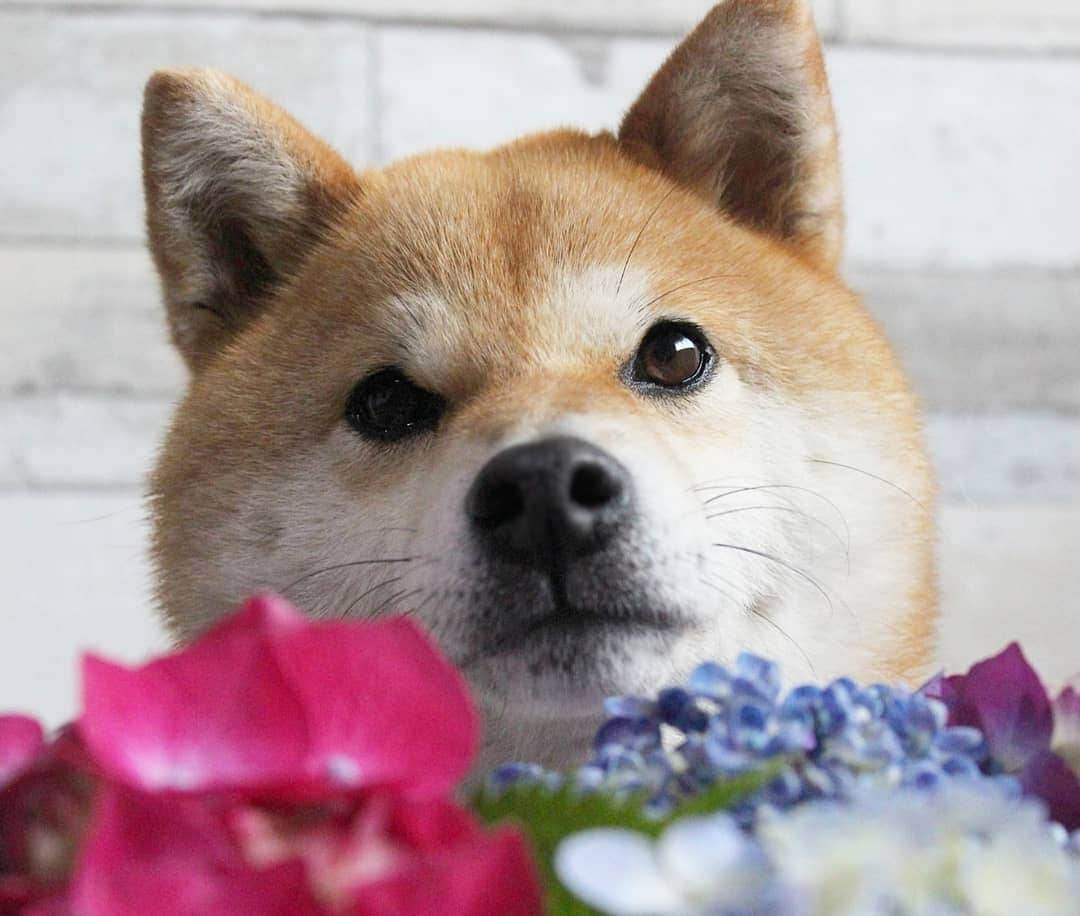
548	816
723	795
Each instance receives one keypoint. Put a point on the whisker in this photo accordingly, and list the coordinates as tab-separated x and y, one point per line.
712	483
802	574
396	597
340	566
888	483
846	547
728	488
779	629
637	238
753	608
706	581
428	561
423	604
681	286
783	486
391	581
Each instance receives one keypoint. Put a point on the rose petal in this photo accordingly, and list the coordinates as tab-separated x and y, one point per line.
1066	741
487	875
271	701
21	740
1004	698
1049	777
172	856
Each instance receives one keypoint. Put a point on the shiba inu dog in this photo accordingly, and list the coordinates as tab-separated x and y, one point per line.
593	408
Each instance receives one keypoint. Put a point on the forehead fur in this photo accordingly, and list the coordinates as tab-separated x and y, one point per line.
559	249
534	268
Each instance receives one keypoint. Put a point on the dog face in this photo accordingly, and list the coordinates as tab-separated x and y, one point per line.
592	408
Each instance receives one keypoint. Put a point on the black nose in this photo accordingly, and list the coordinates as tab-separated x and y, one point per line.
543	500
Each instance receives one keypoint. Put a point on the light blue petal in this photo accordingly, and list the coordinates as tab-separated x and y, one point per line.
615	871
713	861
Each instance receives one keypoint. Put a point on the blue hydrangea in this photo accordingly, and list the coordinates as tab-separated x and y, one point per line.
825	742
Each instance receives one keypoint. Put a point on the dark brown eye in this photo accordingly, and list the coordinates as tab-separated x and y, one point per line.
672	355
388	406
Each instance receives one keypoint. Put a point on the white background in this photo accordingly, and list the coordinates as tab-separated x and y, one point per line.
961	130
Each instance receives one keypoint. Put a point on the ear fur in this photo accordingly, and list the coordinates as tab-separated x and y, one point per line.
741	112
236	193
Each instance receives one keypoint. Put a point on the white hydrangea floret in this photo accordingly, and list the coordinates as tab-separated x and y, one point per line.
697	865
965	848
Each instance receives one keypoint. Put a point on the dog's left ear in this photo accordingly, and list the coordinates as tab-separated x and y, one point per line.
741	113
237	195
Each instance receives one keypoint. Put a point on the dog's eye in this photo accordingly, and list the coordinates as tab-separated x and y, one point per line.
673	355
387	406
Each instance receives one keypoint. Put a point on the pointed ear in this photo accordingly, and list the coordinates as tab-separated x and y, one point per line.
237	192
741	113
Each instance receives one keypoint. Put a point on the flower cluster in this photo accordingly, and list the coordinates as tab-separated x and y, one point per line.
831	742
275	766
962	847
822	742
280	765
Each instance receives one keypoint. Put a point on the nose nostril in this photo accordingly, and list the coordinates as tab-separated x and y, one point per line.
593	486
550	501
500	503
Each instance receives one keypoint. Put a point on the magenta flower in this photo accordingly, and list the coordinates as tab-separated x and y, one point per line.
21	740
272	703
484	875
280	765
1004	698
174	856
396	857
43	816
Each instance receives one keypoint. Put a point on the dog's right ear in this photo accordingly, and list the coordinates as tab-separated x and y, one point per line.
741	114
236	193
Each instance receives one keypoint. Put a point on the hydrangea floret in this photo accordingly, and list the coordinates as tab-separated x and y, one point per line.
823	742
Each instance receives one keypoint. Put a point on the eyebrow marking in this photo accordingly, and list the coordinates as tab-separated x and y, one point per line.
637	238
646	306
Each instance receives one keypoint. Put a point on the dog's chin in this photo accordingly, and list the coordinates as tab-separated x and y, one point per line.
562	662
542	694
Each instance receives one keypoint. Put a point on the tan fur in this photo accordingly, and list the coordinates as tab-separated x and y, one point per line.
517	283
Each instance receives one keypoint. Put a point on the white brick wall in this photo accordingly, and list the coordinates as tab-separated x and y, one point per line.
961	147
